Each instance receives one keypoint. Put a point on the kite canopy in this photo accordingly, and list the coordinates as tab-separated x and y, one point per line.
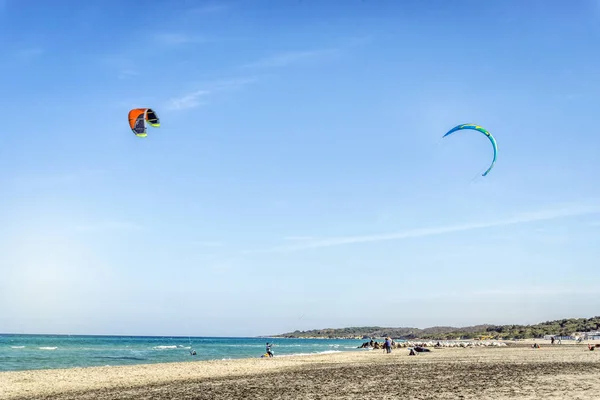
138	118
482	130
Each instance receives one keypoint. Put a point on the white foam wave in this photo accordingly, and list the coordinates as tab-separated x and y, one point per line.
47	348
329	352
17	347
164	347
308	354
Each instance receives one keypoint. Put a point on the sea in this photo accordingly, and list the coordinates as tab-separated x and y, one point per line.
31	352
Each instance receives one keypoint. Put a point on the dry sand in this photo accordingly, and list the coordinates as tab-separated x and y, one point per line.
514	372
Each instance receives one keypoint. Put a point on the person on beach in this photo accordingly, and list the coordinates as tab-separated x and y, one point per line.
388	345
269	352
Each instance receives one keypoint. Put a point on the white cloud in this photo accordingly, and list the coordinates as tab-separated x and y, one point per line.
124	66
543	215
190	100
536	291
29	54
225	84
298	238
109	225
49	179
174	39
568	96
209	244
287	58
533	292
210	8
200	97
127	73
292	57
222	267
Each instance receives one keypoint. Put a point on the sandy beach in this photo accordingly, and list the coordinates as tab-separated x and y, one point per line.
513	372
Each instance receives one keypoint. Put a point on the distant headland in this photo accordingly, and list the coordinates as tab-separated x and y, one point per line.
571	327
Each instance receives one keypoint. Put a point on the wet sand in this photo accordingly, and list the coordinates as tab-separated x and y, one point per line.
514	372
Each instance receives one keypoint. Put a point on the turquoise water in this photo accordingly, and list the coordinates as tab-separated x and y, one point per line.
25	352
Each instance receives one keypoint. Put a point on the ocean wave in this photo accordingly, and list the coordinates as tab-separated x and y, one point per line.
47	348
328	352
119	358
164	347
308	354
17	347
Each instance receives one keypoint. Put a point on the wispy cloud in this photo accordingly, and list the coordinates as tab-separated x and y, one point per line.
124	66
127	73
319	55
50	179
135	102
222	267
543	215
190	100
293	57
175	39
537	291
109	225
210	8
568	96
298	238
201	97
229	84
209	243
29	54
507	293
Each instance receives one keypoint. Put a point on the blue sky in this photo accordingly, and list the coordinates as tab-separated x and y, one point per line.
299	179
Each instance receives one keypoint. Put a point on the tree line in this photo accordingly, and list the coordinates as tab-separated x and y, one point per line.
561	327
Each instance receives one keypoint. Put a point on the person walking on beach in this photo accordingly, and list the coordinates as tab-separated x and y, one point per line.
269	352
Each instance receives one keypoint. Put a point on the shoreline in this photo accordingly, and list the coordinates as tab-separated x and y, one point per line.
568	365
400	345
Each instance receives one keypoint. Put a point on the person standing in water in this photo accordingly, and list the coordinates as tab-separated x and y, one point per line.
269	352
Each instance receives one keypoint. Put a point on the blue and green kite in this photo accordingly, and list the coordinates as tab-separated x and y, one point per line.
482	130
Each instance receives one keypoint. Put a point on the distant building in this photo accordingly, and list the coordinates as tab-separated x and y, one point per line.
591	335
558	337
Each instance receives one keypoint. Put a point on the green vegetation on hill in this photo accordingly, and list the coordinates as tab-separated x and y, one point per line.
563	327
